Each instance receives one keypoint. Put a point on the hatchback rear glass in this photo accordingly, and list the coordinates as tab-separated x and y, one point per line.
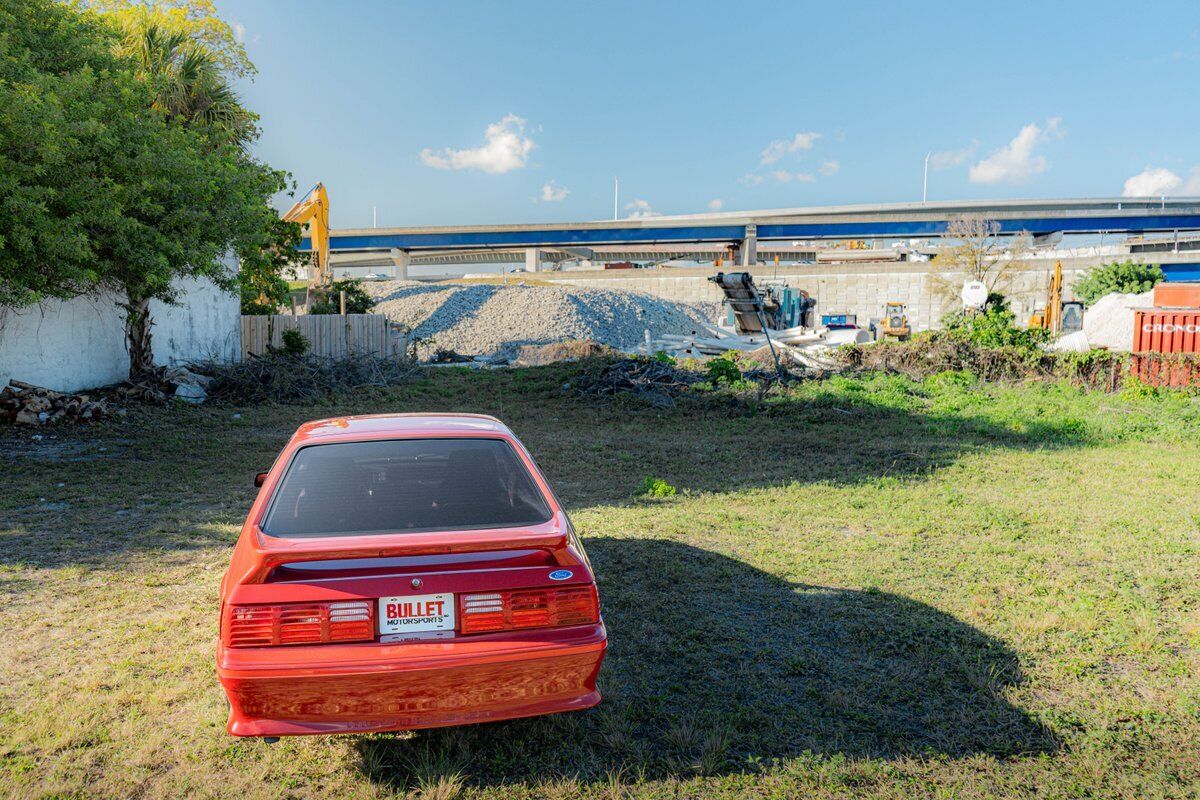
404	486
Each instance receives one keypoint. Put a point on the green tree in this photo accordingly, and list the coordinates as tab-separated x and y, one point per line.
59	87
263	288
1127	277
187	79
186	204
187	55
195	19
102	187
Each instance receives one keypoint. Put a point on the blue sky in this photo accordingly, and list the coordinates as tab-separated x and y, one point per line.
461	112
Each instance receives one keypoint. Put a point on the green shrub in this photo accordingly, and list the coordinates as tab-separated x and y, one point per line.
995	326
656	487
1127	277
723	369
329	301
294	343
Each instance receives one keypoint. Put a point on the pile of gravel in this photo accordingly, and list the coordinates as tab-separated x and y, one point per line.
1109	321
497	320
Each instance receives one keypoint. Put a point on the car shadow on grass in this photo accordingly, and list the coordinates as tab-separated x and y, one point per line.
715	667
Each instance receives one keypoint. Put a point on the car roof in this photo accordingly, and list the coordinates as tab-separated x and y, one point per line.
375	426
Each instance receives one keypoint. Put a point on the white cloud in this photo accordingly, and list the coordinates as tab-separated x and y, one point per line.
1191	186
751	179
1158	181
716	205
829	168
781	147
1152	182
1017	160
552	192
505	149
783	176
239	32
945	159
640	209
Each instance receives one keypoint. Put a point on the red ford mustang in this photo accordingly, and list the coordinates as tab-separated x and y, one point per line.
405	571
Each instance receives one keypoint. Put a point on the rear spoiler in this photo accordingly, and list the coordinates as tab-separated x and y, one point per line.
272	552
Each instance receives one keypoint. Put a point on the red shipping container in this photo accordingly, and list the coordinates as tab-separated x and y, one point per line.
1159	369
1162	331
1177	295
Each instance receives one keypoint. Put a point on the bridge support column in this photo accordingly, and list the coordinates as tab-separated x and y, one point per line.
533	259
400	263
748	247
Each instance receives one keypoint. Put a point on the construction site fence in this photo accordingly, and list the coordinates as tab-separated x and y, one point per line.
329	335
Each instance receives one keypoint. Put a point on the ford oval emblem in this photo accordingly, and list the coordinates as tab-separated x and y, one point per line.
561	574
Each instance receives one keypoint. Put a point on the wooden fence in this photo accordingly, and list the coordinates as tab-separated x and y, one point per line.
329	335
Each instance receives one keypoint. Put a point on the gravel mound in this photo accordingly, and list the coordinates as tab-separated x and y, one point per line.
1109	321
497	320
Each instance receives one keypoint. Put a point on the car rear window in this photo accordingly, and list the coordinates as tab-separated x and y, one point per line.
404	486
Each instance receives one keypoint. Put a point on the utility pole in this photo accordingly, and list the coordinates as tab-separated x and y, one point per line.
925	182
615	193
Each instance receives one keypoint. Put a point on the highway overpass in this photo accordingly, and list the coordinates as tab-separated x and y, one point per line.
739	232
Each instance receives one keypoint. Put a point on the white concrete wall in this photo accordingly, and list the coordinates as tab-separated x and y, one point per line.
79	344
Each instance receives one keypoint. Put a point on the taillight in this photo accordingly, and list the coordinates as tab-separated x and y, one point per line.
299	623
528	608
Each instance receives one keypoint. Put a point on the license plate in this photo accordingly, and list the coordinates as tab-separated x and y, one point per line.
416	613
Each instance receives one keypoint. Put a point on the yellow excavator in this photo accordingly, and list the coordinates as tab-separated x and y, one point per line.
1050	317
313	210
1058	316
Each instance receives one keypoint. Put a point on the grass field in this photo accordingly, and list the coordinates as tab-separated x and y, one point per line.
867	587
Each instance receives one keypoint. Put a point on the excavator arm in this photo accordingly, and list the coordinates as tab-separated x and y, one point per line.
313	210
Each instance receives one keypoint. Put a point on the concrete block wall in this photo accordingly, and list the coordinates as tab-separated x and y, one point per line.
80	344
860	289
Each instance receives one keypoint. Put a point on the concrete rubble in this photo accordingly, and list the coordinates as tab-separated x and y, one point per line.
804	347
191	387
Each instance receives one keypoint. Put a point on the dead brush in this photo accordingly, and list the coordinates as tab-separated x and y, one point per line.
659	383
299	379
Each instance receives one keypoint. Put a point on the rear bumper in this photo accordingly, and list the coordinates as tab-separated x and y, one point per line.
286	691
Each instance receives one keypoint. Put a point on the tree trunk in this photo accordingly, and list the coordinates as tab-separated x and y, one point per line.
137	336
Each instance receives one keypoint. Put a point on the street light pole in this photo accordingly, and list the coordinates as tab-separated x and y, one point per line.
925	182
